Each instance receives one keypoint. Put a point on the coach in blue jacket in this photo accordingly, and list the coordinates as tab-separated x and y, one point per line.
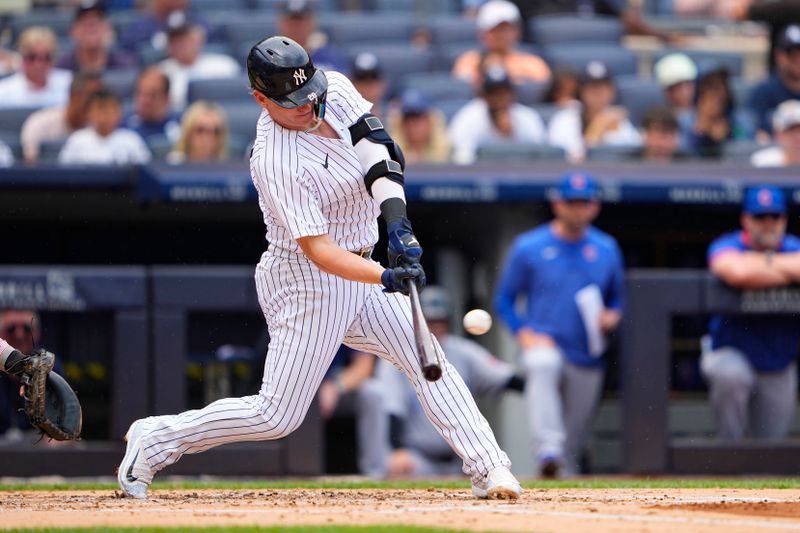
571	276
750	363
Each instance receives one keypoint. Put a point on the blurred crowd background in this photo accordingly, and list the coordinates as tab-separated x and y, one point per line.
455	80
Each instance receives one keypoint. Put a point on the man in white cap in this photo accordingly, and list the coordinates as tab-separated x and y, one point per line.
499	30
786	125
676	74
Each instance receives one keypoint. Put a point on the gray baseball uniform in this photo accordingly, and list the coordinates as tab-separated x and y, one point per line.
483	374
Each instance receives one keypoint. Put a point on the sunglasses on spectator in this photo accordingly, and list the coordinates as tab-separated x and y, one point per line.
767	216
44	58
11	328
215	130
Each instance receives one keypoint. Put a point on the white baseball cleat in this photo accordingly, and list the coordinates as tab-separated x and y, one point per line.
498	484
134	474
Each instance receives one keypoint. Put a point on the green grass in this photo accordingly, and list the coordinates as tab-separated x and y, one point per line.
586	483
245	529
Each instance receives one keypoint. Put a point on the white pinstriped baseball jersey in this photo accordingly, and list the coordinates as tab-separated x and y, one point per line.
310	185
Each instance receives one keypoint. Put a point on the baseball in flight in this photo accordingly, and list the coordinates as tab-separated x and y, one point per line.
477	322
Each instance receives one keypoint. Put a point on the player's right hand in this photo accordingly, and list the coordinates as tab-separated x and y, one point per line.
394	279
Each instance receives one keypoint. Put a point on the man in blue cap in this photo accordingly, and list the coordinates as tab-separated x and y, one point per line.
750	363
571	276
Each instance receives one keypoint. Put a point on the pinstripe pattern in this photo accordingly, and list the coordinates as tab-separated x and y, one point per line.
309	185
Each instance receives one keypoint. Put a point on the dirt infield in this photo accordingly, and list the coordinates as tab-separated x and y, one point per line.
540	510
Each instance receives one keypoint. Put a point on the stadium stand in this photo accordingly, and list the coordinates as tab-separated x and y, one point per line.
550	30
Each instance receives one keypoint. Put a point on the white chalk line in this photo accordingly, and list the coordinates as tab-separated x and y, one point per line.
505	509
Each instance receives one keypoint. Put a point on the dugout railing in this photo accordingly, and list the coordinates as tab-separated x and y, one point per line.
654	298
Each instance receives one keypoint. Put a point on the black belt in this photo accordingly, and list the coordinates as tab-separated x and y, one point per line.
365	252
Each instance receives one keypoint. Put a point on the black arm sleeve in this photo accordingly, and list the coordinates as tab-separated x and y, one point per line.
516	383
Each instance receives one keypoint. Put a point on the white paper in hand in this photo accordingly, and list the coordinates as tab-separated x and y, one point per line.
590	305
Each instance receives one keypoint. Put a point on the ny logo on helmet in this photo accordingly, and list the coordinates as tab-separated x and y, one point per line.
299	76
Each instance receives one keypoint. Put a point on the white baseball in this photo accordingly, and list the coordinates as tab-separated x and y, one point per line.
477	321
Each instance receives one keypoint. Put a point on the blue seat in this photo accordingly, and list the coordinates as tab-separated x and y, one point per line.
612	153
219	90
344	30
12	119
11	138
531	92
548	30
421	9
49	150
638	95
57	20
740	150
122	82
575	56
203	6
450	30
239	32
707	60
450	106
438	85
512	151
448	53
242	117
397	60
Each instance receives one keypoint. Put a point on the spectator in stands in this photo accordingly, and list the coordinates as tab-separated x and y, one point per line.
597	122
786	125
499	24
493	116
571	276
92	34
783	84
719	9
204	135
21	329
55	123
298	21
750	361
103	142
152	117
713	121
775	13
37	84
8	62
563	90
367	77
661	136
150	31
400	441
419	129
186	61
676	74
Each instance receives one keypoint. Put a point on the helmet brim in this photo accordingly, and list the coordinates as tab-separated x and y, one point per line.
317	85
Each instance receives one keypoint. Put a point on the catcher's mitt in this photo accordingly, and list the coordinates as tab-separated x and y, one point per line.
50	403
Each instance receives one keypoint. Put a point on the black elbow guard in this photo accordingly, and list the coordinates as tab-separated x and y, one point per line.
387	168
370	127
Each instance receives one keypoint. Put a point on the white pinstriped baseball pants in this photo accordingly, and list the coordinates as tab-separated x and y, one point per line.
309	314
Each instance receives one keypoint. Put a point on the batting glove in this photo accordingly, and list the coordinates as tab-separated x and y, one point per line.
394	279
404	248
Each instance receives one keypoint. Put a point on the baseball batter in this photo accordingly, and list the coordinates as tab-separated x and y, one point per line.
324	168
409	445
571	276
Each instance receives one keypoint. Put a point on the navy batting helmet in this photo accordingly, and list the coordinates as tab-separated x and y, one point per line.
282	70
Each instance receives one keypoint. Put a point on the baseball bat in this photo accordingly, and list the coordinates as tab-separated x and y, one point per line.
428	358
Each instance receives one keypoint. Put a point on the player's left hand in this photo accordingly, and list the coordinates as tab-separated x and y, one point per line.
394	279
404	248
